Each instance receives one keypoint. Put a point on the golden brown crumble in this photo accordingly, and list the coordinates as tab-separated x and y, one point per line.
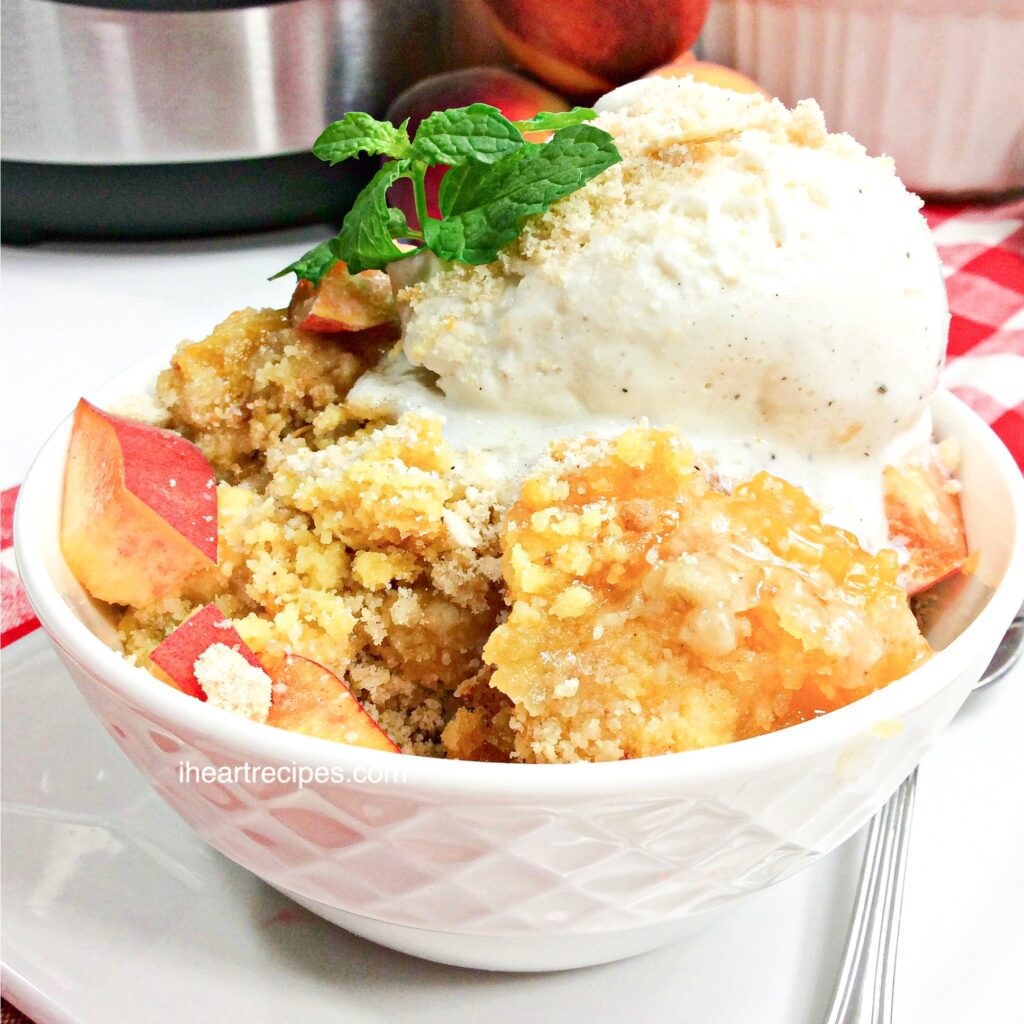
621	607
254	380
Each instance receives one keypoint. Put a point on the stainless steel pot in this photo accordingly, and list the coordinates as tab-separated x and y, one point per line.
154	116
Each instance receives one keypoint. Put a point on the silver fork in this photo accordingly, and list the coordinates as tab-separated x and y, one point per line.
863	993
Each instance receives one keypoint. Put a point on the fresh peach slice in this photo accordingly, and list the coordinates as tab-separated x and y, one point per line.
307	698
343	302
140	508
924	513
176	655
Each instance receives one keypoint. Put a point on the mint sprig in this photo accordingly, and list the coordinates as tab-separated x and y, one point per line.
495	182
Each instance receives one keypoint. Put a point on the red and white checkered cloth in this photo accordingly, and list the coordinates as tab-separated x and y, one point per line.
16	615
982	250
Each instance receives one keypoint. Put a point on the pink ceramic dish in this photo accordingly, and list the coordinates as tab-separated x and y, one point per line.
928	82
531	867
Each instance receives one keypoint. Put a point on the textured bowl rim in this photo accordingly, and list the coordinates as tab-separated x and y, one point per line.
514	782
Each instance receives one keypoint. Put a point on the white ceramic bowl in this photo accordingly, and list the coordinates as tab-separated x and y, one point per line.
531	867
935	84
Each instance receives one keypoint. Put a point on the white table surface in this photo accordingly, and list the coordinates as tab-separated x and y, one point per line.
75	315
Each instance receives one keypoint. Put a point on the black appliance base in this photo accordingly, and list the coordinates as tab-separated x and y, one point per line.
173	200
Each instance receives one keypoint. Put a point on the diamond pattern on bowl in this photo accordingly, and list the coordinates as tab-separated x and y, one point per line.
400	854
316	827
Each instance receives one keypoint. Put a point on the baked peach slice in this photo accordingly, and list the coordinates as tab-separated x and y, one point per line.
140	508
924	514
343	302
307	698
176	655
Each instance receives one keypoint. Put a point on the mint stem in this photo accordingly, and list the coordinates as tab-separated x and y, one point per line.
419	188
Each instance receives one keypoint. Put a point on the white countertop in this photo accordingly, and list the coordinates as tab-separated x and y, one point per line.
75	315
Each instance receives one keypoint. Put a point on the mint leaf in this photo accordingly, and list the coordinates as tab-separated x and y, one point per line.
484	208
359	133
454	181
473	184
548	122
477	132
398	226
313	265
364	241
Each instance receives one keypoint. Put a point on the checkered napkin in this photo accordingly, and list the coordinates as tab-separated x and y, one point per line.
982	250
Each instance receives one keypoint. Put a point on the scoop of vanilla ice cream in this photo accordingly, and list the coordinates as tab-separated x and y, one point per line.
765	287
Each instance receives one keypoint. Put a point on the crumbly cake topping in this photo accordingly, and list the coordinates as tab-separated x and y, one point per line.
142	408
255	380
372	549
232	683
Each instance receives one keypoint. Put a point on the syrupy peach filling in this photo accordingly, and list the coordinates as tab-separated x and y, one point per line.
652	613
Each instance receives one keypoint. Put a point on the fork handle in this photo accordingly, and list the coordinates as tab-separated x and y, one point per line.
863	993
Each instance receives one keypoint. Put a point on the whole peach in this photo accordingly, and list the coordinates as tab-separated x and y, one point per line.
591	46
516	97
712	74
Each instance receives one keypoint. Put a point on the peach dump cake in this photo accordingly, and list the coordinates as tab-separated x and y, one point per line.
627	452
